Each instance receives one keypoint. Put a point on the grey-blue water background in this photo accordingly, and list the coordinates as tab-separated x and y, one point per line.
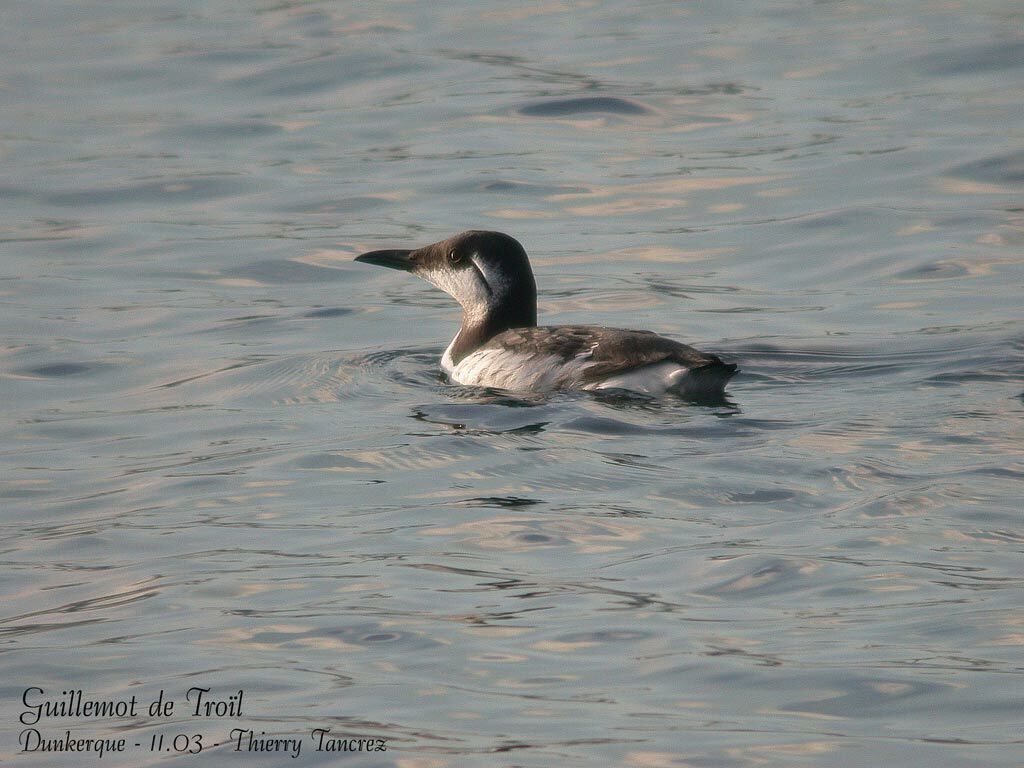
229	459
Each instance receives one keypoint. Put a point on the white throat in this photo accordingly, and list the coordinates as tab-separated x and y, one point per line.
474	289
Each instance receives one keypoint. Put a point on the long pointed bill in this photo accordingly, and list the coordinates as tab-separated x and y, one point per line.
390	259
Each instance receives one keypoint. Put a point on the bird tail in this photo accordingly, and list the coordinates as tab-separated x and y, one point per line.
706	381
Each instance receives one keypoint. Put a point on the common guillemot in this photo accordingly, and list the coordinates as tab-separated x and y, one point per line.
500	344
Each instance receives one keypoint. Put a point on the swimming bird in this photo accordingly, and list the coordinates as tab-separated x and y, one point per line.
500	344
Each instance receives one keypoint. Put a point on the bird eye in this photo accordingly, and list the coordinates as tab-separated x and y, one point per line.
454	257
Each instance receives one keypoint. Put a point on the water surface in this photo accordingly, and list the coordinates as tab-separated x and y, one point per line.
229	458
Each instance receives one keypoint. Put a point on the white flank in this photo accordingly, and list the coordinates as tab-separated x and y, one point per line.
654	379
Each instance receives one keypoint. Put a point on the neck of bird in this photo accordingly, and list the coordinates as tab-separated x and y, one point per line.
480	326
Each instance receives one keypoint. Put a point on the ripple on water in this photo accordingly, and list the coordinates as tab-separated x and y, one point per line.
501	502
581	641
333	205
321	378
756	577
325	73
220	131
281	271
974	59
936	270
912	355
335	639
872	697
398	458
513	533
1000	169
584	105
169	190
328	312
510	187
60	370
492	414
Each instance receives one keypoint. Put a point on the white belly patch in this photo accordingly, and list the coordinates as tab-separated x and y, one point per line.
654	379
504	369
507	370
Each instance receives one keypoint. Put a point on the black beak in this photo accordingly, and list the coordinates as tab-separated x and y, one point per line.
390	259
